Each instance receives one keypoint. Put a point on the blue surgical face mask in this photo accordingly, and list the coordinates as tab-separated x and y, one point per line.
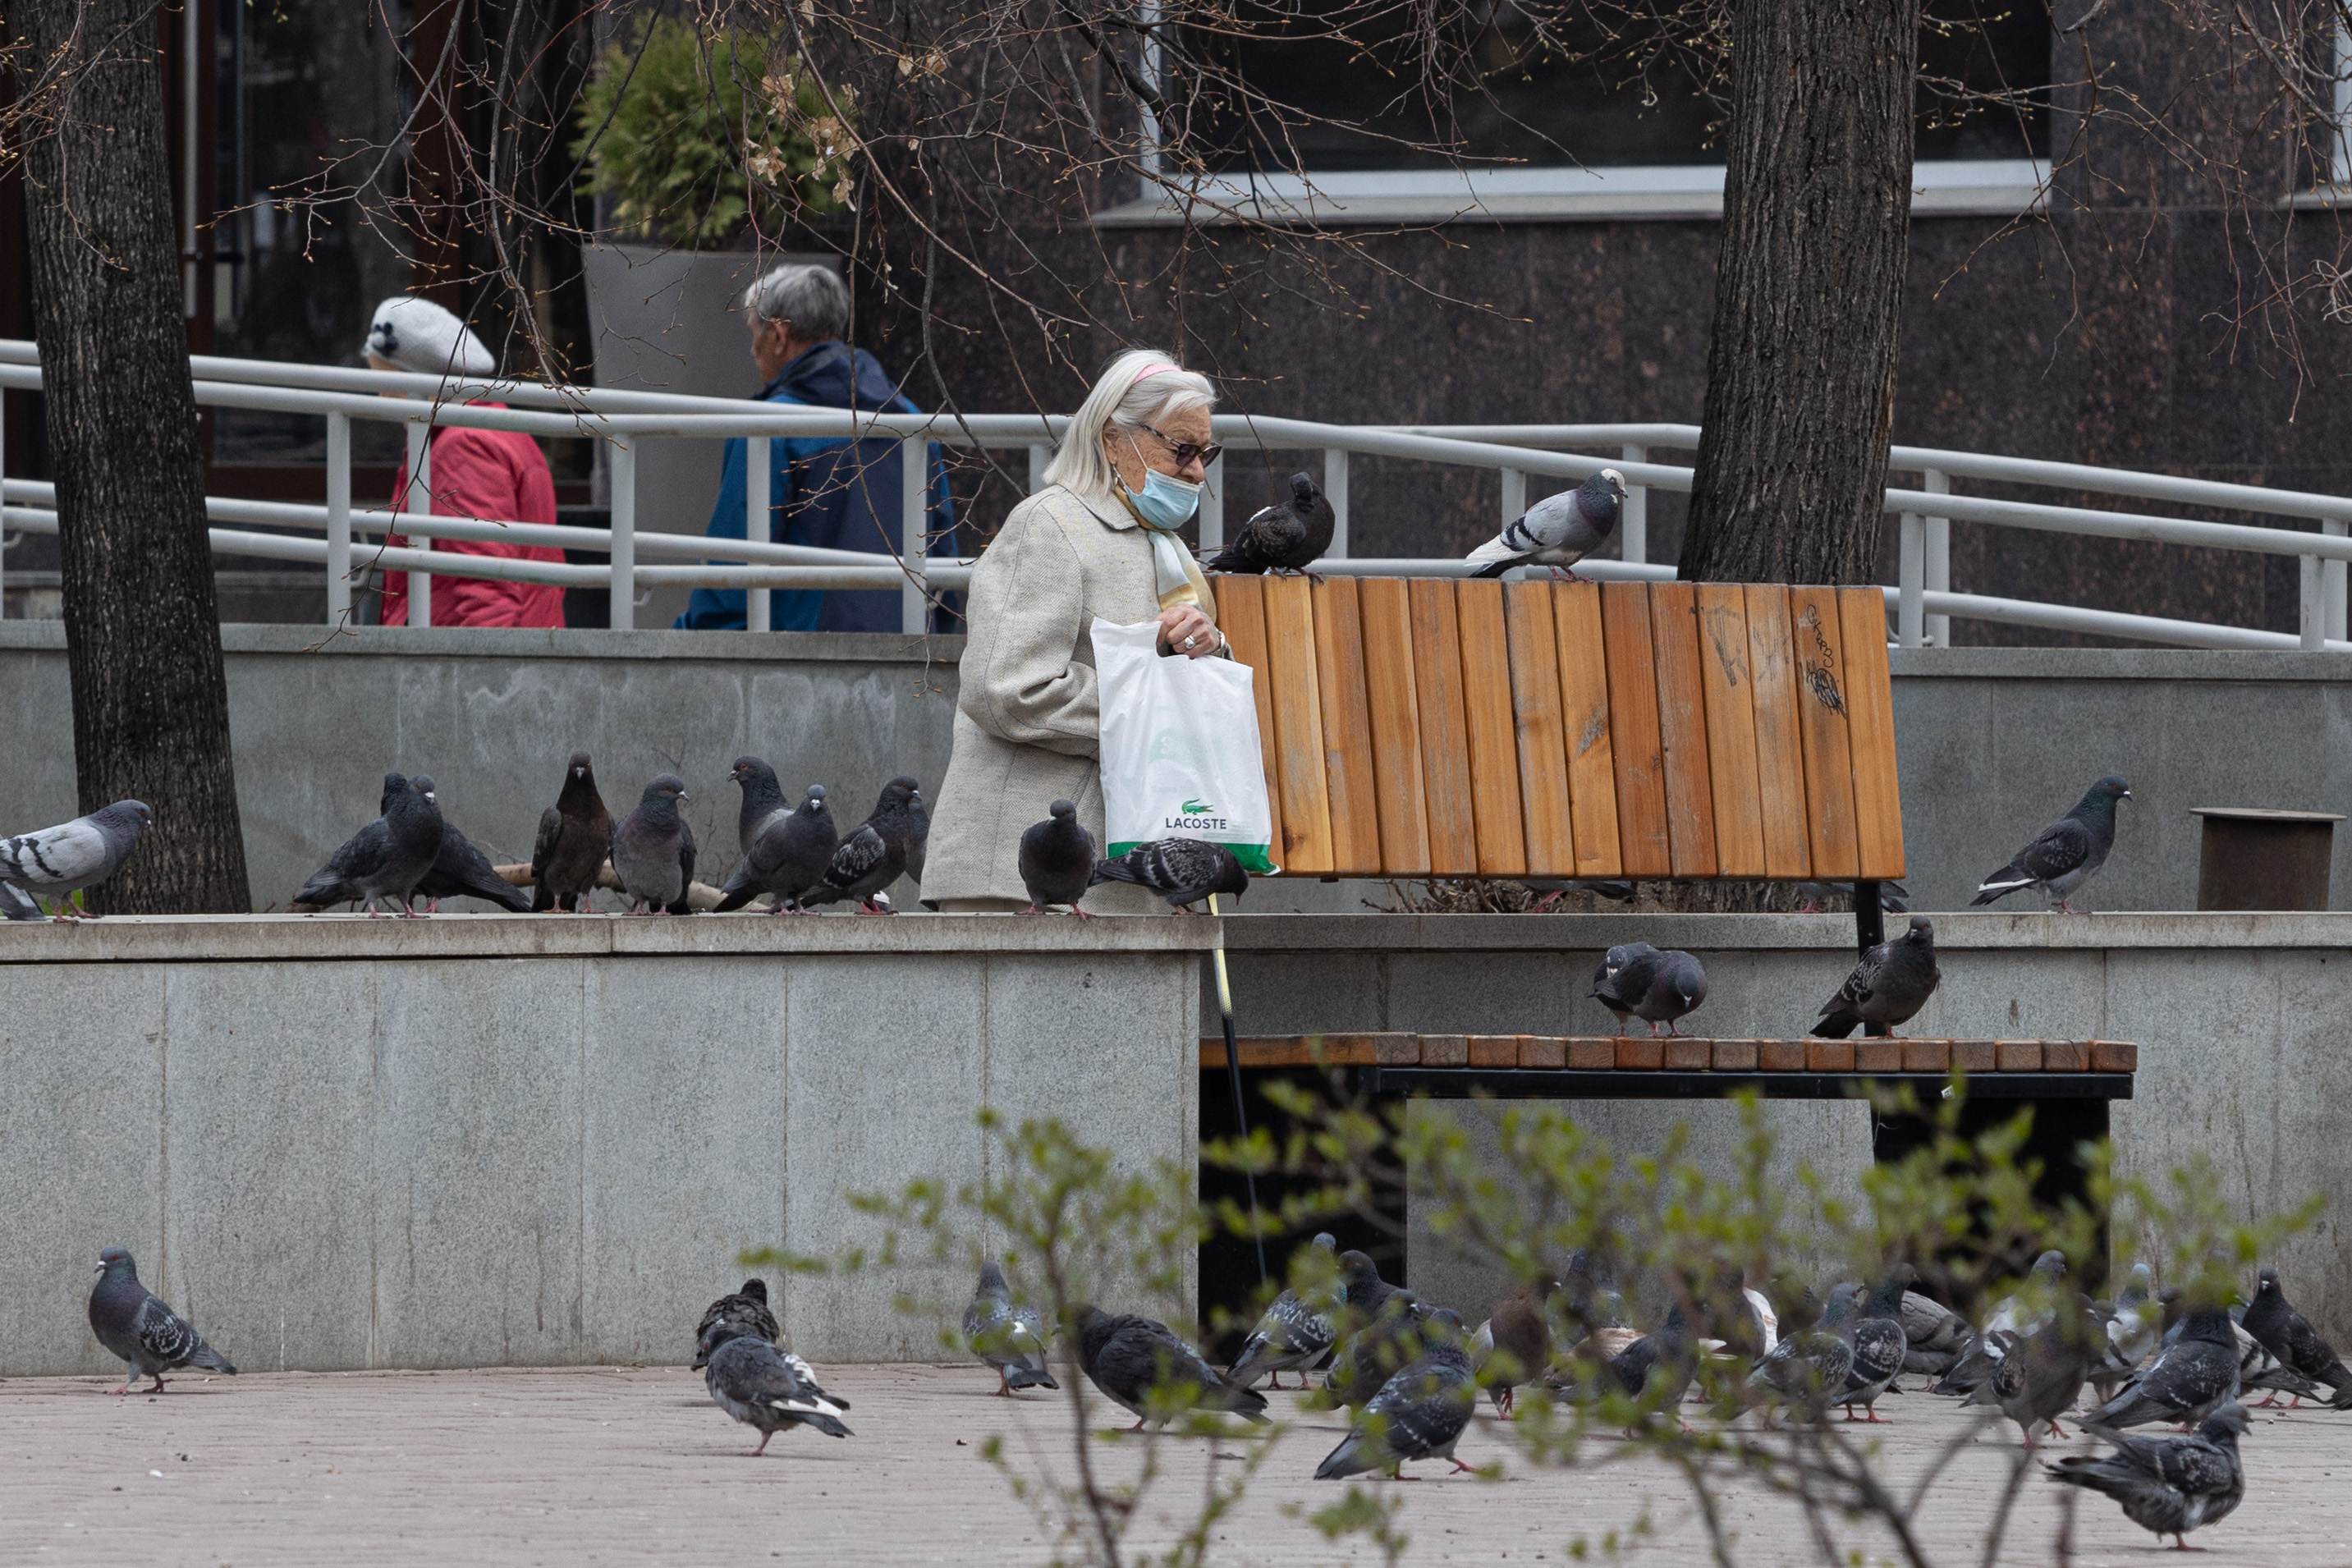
1165	500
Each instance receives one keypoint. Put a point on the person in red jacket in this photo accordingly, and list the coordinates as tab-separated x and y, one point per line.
499	474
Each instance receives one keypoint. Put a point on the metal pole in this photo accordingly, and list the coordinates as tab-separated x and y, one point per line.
1233	1081
4	485
339	519
1910	578
914	521
1634	517
418	503
1335	489
1213	506
2332	575
2313	620
1041	457
625	534
1515	495
758	527
1938	630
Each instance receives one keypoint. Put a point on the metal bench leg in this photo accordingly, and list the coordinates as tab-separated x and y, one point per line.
1869	931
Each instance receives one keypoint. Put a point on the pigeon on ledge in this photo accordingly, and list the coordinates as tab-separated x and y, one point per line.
386	859
767	1388
653	850
886	846
1677	985
1420	1412
1182	870
1558	531
785	852
1888	987
2169	1485
62	860
2067	854
1057	861
1285	538
576	835
138	1327
460	870
1005	1336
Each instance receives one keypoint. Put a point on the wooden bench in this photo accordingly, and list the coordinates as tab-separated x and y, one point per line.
1433	727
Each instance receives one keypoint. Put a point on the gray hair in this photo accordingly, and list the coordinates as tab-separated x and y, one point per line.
812	298
1141	387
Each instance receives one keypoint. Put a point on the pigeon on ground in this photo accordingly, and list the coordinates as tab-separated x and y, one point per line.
2123	1332
1935	1334
785	851
1418	1413
386	859
460	870
1366	1359
2010	1319
62	860
1286	537
142	1331
1519	1342
576	835
1624	979
2169	1485
1888	987
1810	1368
1677	985
745	1312
2289	1336
1363	1292
767	1388
2039	1374
1558	531
1876	1333
1182	870
1005	1336
653	850
1655	1369
1057	861
1130	1357
1296	1331
886	846
2067	854
2189	1379
1590	1298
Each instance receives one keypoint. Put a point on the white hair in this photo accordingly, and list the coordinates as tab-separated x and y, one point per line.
1141	387
813	298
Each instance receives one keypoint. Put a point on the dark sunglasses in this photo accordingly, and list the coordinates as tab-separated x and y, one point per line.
1184	452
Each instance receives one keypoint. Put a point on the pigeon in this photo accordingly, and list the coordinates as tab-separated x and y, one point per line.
1182	870
1558	531
2189	1379
1418	1413
1296	1331
1363	1292
1888	987
1810	1366
1362	1362
62	860
2169	1485
576	835
386	859
886	846
1283	538
653	850
1057	861
2039	1374
1677	985
1624	979
763	1387
141	1328
1655	1369
1129	1358
1592	1302
2122	1333
2010	1319
1876	1334
1006	1336
460	870
2289	1336
785	852
2067	854
1519	1342
745	1312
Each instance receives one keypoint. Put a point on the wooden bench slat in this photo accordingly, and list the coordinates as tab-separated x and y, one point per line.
1451	807
1241	615
1584	724
1299	726
1682	728
1729	692
1534	705
1817	635
1397	779
1347	729
1494	740
1633	739
1780	745
1870	714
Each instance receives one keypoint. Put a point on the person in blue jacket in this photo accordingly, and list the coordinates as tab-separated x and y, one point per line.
836	493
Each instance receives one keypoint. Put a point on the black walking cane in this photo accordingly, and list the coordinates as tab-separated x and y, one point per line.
1233	1077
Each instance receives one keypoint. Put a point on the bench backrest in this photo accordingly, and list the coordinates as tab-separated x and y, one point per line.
1419	726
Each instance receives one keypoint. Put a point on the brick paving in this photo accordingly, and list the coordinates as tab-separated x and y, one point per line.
633	1465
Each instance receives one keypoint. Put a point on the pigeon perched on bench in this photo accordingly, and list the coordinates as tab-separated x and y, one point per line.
886	846
1183	871
1286	537
1057	861
785	851
1677	985
1558	531
576	836
1624	979
136	1325
2169	1486
62	860
388	857
2064	855
1888	987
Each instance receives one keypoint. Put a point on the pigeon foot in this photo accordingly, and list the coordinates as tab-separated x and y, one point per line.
2058	1432
1082	914
1459	1467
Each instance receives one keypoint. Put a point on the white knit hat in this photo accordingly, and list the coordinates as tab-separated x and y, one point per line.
420	336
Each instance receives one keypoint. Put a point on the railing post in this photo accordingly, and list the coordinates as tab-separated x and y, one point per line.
758	523
1041	457
4	485
1633	516
1515	495
1939	631
1335	490
914	518
1910	578
1213	506
2331	576
339	519
622	580
417	502
2313	619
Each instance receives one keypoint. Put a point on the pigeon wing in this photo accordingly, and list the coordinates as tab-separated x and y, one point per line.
1422	1409
361	856
70	856
861	855
166	1337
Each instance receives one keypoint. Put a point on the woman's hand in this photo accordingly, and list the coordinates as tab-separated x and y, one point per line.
1186	621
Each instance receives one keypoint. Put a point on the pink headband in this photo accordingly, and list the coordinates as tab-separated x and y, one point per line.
1152	370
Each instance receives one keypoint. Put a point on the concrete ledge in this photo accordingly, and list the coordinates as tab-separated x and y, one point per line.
2117	664
522	642
1955	932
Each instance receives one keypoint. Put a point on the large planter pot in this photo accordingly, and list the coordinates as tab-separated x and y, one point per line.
672	320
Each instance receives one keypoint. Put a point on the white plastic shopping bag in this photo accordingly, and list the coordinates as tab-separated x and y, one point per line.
1179	748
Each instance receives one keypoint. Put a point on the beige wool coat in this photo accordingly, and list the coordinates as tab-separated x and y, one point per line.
1027	725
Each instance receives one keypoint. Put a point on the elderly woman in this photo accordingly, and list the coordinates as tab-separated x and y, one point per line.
1099	540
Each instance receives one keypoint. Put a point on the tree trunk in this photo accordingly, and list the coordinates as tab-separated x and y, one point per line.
1808	293
142	622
